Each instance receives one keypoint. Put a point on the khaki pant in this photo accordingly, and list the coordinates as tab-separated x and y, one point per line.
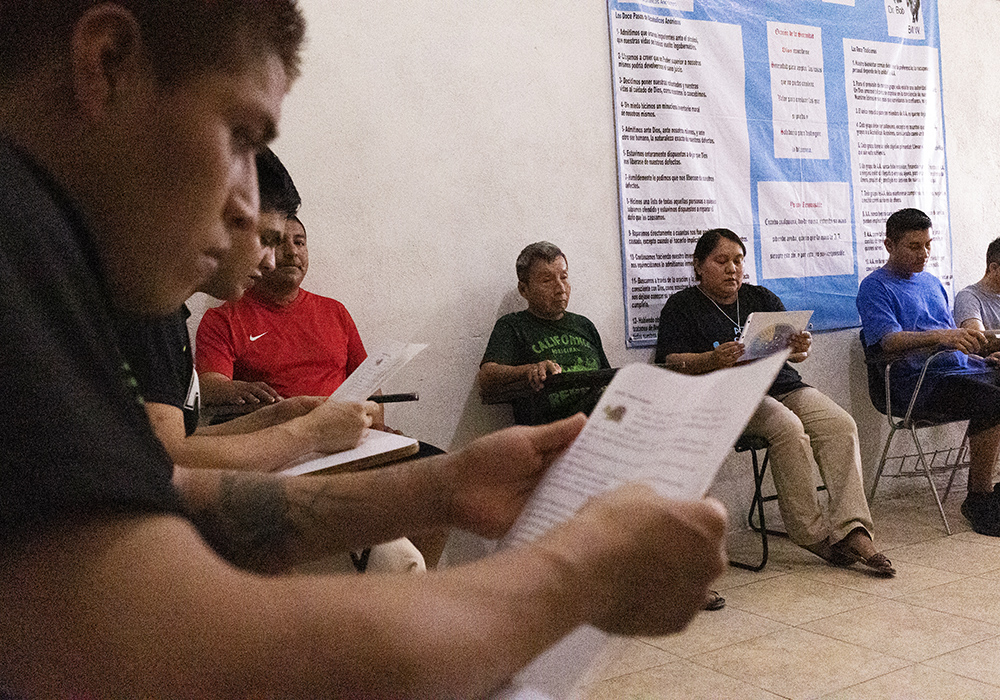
809	431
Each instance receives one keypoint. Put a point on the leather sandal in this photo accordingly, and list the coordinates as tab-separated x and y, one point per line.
714	601
878	563
827	553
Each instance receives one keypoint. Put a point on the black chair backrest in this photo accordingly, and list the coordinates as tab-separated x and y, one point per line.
875	364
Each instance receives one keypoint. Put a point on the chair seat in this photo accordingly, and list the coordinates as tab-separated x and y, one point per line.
751	442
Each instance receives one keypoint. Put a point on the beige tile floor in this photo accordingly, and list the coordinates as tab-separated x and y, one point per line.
803	629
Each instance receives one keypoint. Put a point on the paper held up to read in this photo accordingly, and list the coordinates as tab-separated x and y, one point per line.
672	431
767	332
377	368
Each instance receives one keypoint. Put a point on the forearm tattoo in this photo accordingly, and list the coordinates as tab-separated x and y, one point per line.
249	524
264	525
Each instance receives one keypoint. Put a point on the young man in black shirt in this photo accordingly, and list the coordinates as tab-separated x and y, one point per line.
127	140
158	350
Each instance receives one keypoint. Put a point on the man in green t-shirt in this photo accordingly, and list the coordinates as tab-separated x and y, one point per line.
544	340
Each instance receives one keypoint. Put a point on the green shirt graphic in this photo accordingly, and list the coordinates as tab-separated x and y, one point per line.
572	342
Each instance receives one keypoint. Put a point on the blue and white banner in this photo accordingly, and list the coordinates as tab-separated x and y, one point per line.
799	124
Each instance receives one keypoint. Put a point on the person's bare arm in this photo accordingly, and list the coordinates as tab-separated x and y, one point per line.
265	416
140	607
493	376
268	522
967	340
330	427
725	355
136	606
219	390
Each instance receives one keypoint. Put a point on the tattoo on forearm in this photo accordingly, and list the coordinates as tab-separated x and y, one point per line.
261	524
249	525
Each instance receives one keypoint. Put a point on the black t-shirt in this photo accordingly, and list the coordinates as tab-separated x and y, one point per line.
76	437
158	350
690	322
572	342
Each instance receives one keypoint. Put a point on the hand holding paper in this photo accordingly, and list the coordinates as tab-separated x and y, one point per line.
632	540
672	432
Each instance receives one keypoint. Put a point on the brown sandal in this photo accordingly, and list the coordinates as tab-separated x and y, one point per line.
827	553
877	562
714	601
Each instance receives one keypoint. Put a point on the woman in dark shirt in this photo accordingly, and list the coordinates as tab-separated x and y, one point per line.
807	431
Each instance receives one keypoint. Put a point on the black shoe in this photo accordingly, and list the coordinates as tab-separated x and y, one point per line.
982	510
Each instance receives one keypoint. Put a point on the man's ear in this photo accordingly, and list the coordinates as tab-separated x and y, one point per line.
107	56
522	288
887	242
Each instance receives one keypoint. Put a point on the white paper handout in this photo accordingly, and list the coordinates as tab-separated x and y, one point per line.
371	374
672	431
767	332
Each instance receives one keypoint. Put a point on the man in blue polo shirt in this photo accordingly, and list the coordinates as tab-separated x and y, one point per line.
903	308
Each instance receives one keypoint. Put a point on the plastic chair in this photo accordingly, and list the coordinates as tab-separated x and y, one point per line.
921	462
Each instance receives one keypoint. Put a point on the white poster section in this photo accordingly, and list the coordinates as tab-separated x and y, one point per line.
805	227
682	127
897	138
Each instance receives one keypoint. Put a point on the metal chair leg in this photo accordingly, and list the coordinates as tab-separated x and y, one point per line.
759	469
881	464
930	477
959	459
761	499
758	502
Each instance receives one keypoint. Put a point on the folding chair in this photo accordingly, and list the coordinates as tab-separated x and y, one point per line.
925	463
754	444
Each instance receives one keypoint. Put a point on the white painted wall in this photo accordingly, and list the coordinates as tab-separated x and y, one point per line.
431	141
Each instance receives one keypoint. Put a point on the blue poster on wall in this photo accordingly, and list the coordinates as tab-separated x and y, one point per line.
798	124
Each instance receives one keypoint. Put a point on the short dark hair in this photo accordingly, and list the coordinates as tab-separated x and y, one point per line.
993	252
706	244
277	190
904	221
542	250
184	37
296	219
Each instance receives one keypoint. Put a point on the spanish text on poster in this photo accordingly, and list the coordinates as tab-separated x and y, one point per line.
799	125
